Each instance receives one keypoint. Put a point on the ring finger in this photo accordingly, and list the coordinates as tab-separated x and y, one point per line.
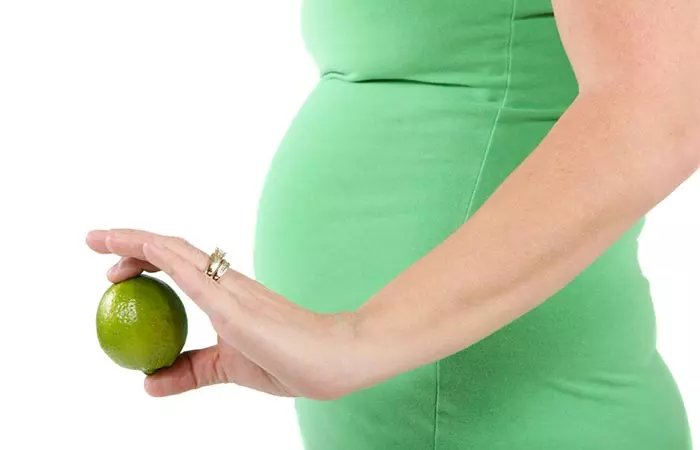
128	243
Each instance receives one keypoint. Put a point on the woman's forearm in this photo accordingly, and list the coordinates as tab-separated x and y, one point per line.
610	159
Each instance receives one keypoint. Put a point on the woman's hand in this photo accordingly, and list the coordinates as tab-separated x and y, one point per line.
265	342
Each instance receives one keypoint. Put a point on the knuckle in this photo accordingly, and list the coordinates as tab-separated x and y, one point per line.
110	237
196	380
195	290
219	370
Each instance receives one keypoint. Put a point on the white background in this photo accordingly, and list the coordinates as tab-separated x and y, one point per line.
120	114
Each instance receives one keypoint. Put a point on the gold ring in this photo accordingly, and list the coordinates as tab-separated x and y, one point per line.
221	270
216	260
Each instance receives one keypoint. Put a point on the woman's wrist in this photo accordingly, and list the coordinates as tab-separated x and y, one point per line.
270	329
374	345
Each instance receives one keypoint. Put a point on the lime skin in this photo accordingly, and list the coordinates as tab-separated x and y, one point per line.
141	324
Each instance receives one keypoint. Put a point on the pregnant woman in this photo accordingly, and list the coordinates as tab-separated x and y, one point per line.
446	248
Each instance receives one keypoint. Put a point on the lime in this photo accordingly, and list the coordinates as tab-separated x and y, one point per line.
141	324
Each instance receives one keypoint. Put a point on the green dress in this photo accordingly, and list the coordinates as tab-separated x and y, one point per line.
422	109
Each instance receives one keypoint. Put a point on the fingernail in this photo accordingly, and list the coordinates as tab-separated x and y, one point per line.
95	235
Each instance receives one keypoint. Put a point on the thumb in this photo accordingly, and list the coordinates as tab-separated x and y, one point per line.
191	370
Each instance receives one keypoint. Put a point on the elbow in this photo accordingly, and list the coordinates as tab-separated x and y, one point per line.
668	109
675	108
688	148
677	105
660	122
679	155
683	133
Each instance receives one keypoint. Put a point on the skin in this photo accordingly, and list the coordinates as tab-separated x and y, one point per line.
626	143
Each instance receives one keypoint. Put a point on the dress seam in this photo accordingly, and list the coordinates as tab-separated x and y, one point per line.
470	202
492	133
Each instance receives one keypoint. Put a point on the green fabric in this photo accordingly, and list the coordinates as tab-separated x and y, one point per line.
422	109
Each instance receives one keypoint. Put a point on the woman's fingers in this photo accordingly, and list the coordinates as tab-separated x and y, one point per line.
96	241
192	370
184	263
129	267
205	292
130	240
129	243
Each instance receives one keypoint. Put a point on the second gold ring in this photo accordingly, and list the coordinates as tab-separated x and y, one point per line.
217	265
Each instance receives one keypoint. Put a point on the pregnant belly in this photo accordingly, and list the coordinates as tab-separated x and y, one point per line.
372	176
369	177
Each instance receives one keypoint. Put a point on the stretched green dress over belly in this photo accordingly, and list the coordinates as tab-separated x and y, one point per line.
422	109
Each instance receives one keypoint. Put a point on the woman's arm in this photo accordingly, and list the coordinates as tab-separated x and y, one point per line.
625	144
629	139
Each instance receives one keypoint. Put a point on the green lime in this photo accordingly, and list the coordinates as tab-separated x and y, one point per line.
141	324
